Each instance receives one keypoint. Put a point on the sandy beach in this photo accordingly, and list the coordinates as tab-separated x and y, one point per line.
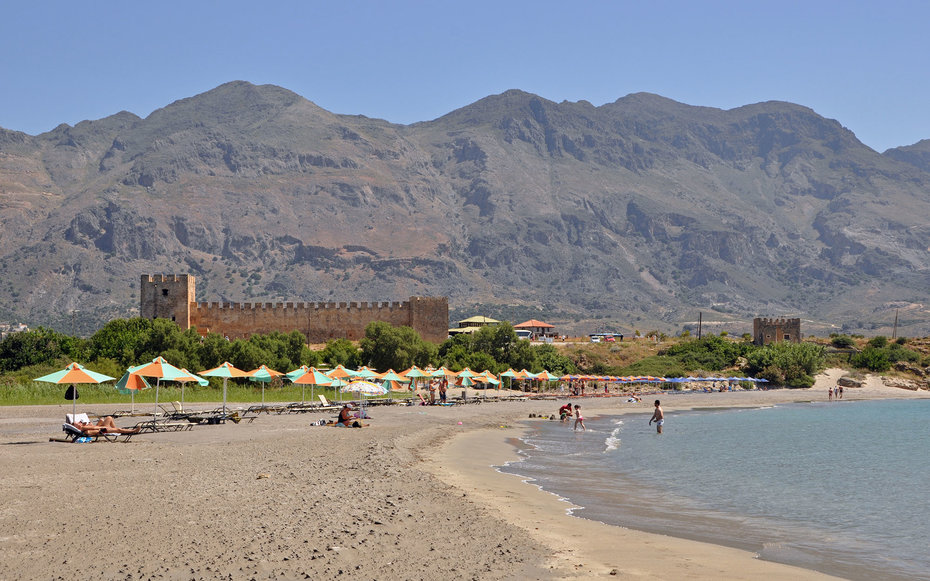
412	496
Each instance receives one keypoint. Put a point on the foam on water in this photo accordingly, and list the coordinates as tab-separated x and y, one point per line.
835	487
613	440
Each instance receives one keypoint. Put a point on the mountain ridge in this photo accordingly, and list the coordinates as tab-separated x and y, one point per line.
638	212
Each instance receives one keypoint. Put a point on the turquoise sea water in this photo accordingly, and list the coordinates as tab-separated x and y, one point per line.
839	487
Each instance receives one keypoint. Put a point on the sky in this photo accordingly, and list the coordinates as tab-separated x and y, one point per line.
864	63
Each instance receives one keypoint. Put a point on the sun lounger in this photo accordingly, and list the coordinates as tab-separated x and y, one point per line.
163	425
266	409
73	433
325	405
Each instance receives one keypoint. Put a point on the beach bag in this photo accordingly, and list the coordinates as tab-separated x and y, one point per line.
71	393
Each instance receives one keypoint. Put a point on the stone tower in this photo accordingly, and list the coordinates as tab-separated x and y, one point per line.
766	330
167	297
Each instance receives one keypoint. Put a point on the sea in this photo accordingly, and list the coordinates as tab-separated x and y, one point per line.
839	487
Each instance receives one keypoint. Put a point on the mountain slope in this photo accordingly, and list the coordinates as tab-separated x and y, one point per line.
637	213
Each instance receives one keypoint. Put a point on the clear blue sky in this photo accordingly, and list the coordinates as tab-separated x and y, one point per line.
863	63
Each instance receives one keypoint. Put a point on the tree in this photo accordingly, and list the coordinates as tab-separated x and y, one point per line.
791	364
551	359
37	346
341	352
387	347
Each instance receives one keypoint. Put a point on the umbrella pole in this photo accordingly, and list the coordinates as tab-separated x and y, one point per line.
224	395
263	394
182	395
155	411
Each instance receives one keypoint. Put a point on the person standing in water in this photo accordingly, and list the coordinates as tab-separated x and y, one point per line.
658	417
579	419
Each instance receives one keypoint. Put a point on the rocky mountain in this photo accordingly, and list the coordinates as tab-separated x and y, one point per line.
638	214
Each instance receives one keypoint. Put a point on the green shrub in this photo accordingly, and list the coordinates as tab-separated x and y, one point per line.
872	359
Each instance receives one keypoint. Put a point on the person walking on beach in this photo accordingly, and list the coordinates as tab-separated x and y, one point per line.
658	417
830	394
579	419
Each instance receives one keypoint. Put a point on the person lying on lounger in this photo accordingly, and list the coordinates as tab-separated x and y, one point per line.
103	426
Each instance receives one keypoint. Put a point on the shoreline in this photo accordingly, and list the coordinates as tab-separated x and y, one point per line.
585	548
580	548
414	496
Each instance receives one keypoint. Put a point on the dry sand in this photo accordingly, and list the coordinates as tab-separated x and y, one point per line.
413	496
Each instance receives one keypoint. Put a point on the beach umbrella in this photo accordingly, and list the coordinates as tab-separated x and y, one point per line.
391	375
363	388
292	375
390	380
312	378
263	375
366	373
340	372
189	377
160	369
226	370
415	373
546	376
487	377
74	373
443	372
131	383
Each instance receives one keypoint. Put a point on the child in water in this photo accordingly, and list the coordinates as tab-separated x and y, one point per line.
579	419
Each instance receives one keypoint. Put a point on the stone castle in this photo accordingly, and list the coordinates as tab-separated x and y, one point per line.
765	331
174	297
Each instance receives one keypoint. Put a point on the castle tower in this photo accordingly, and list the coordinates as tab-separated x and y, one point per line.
767	330
429	316
167	297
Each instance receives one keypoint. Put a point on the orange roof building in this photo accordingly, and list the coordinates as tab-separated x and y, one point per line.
538	328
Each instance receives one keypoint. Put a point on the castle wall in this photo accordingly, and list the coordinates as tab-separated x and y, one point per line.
766	330
320	322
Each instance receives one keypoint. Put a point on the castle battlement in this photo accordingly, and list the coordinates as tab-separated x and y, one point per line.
160	278
174	296
771	321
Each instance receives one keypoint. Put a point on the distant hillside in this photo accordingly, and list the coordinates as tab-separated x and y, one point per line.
637	214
